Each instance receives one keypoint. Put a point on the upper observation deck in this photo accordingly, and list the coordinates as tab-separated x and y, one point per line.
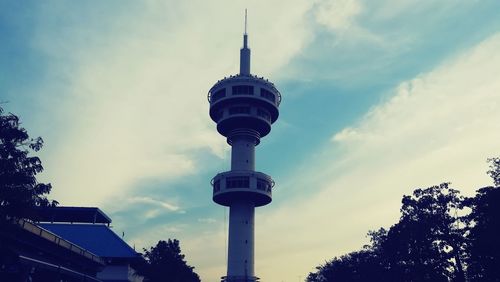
244	101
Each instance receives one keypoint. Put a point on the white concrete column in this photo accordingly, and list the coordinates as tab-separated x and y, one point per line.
241	239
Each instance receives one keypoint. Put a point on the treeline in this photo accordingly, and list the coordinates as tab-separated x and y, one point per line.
440	236
165	263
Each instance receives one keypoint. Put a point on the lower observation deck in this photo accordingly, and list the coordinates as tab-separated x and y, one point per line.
235	185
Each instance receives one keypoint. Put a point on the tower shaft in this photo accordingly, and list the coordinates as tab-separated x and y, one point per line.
242	153
240	262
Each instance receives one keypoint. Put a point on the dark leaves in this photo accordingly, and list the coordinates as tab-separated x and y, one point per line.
165	262
494	171
19	189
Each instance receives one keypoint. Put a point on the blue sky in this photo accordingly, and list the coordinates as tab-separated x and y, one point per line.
379	98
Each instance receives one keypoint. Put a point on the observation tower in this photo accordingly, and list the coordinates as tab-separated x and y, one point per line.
244	106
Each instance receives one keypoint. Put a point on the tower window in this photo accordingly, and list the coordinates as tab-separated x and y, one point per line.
218	95
267	95
239	110
237	182
262	184
217	186
243	90
264	114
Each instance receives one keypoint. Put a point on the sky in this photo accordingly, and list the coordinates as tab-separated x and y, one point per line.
379	98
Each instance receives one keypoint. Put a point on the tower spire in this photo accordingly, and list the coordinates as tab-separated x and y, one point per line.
245	52
245	21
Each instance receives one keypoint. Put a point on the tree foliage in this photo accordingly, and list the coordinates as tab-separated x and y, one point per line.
483	236
165	262
432	241
362	265
19	189
494	171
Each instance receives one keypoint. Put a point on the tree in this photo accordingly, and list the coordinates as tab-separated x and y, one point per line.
430	242
426	244
494	171
357	266
164	262
20	192
483	245
484	221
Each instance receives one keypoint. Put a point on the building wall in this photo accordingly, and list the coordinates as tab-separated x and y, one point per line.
116	273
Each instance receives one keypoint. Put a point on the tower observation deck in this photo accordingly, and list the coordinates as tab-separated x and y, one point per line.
244	106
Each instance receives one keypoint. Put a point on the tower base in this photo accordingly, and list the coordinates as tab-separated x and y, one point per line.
239	279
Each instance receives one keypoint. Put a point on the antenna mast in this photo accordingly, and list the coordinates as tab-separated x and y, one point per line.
245	21
245	52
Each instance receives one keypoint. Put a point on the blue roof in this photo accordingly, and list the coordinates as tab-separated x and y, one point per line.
96	238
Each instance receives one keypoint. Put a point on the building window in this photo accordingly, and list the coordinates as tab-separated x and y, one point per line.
264	114
263	185
239	110
237	182
243	90
218	95
267	95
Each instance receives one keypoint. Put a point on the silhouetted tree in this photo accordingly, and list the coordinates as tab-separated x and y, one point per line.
425	245
494	171
484	243
19	189
483	238
164	262
363	265
430	242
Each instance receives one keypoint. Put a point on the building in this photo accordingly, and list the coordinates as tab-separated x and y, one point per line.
89	228
66	244
31	253
244	106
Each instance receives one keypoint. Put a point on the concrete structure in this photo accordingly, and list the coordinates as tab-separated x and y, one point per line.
31	253
88	228
68	244
244	107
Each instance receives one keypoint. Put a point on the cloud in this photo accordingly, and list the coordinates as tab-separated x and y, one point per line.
126	101
347	134
152	213
150	238
337	15
439	126
128	98
131	97
148	200
207	220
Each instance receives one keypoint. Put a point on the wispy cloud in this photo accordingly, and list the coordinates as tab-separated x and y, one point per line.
207	220
123	99
128	95
135	105
151	201
445	118
347	134
337	15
